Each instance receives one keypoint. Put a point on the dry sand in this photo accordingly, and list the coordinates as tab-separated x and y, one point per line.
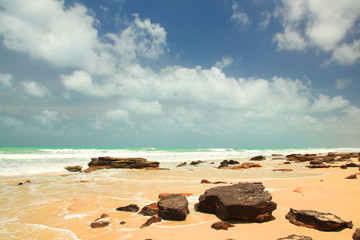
45	210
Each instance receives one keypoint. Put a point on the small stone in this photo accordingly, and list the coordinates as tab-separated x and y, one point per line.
353	176
24	182
221	225
128	208
295	237
122	223
219	182
205	181
298	190
99	224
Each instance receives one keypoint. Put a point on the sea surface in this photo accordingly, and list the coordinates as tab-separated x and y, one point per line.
29	161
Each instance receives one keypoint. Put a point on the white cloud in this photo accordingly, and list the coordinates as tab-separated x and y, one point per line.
325	103
239	17
6	80
114	119
141	107
11	121
224	62
36	90
319	24
48	118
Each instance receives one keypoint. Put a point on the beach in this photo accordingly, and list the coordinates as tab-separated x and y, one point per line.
57	204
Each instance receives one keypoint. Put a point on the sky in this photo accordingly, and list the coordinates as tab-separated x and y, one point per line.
180	74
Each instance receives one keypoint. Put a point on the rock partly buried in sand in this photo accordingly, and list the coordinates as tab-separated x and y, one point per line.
129	208
283	170
136	163
164	195
221	225
205	181
352	176
150	210
24	182
174	207
295	237
151	221
356	235
317	164
182	164
245	165
257	158
242	201
317	220
196	162
74	168
99	224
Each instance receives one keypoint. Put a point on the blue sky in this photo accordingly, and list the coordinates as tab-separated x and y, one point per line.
205	73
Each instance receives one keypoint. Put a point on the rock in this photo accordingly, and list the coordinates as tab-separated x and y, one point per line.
24	182
276	155
151	221
317	220
257	158
129	208
295	237
221	225
242	201
356	235
136	163
74	168
174	207
94	168
122	223
317	164
226	163
245	165
353	176
351	165
283	170
99	224
196	162
150	210
205	181
182	164
298	190
164	195
219	182
104	215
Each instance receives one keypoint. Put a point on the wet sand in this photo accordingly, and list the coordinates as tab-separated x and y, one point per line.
62	207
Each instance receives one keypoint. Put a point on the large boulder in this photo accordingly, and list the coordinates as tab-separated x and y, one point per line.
242	201
317	220
356	235
174	207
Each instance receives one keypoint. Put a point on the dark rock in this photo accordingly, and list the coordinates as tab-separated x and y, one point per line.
74	168
205	181
182	164
356	235
219	182
283	170
128	208
151	221
343	167
99	224
257	158
318	165
317	220
226	163
295	237
150	210
122	223
351	165
242	201
104	215
136	163
221	225
353	176
196	162
174	207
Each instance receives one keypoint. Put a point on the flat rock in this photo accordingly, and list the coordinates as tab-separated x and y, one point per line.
283	170
257	158
174	207
94	168
74	168
317	220
134	163
242	201
99	224
151	221
221	225
129	208
164	195
352	176
295	237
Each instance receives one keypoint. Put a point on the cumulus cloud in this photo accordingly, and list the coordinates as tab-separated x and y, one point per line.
35	89
321	25
48	118
325	103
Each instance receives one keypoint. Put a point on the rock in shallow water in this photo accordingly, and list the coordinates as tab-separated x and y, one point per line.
317	220
242	201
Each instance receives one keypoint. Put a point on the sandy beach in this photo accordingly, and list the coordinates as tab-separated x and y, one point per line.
63	206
